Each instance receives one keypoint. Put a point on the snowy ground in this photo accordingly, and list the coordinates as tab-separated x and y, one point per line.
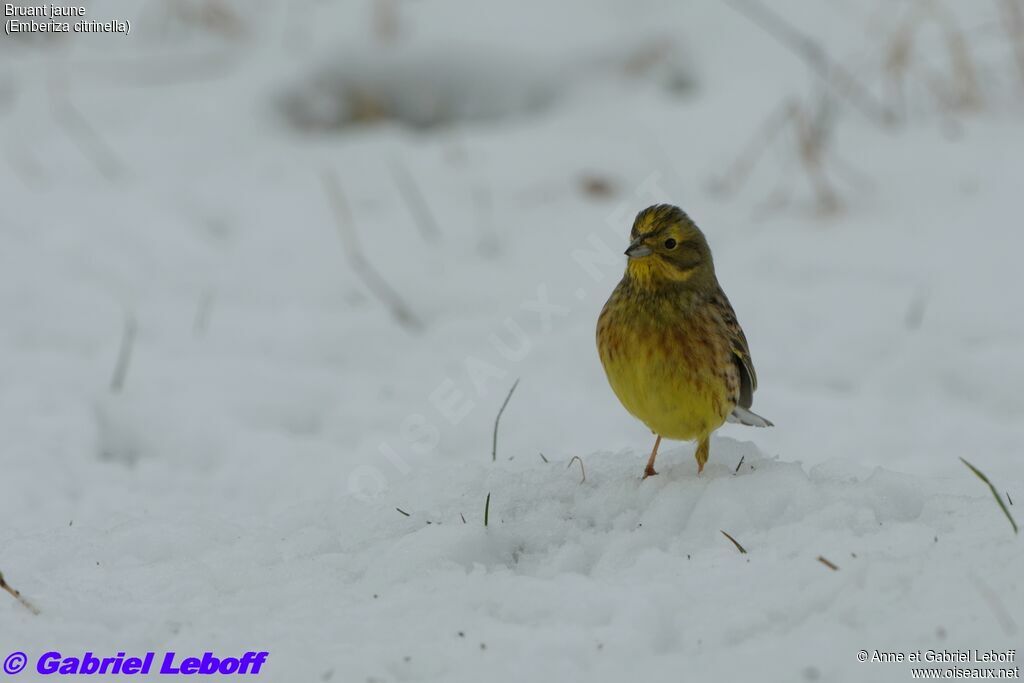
239	492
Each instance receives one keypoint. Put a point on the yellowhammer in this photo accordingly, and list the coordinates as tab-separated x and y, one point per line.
669	340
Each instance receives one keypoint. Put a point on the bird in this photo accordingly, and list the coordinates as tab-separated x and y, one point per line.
668	338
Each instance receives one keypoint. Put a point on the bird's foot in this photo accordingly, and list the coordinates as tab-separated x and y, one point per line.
649	472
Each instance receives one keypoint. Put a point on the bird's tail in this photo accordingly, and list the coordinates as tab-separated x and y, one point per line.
745	417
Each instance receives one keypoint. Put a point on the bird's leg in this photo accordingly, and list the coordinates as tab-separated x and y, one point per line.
703	449
649	470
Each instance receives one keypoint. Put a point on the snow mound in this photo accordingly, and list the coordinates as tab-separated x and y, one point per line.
617	575
428	86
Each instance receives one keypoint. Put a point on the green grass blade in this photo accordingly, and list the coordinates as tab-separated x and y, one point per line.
995	494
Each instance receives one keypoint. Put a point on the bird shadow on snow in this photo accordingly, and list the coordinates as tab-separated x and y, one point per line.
543	520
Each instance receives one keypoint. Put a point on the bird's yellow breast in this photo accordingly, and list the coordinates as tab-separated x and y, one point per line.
667	365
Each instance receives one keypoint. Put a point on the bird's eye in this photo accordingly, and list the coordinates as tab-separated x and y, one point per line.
670	243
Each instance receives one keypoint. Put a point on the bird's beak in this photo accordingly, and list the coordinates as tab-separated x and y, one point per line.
638	249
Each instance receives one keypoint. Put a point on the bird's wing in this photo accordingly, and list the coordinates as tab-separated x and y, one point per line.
740	350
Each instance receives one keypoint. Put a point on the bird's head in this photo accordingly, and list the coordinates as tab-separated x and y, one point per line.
667	249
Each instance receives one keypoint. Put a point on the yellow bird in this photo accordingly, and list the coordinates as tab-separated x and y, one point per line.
668	338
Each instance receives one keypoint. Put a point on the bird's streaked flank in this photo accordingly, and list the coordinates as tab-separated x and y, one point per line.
674	353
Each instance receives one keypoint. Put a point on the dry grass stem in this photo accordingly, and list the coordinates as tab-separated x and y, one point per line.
373	280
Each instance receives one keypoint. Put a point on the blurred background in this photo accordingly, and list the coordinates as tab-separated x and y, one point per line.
265	259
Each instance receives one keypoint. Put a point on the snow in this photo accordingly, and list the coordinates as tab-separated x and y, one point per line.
242	490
